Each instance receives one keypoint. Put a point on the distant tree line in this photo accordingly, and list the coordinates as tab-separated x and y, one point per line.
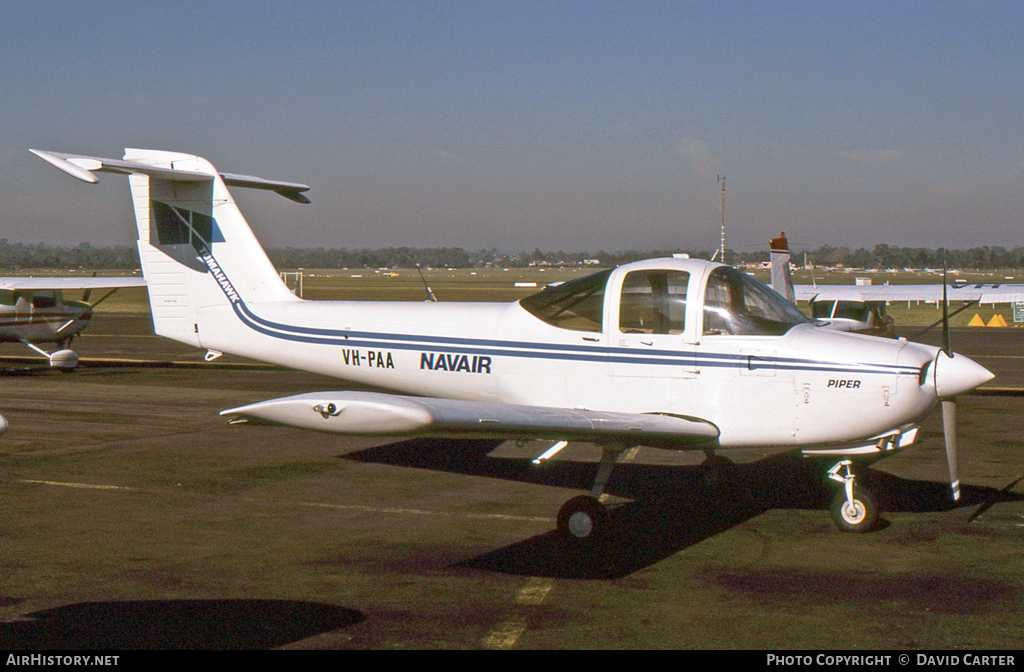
891	256
15	256
22	256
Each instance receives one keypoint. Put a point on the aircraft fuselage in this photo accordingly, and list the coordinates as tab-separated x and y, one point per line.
763	389
41	316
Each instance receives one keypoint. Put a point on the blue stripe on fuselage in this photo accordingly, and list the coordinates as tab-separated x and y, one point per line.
521	349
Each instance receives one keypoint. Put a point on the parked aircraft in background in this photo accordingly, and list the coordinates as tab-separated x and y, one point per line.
675	353
847	314
34	311
862	308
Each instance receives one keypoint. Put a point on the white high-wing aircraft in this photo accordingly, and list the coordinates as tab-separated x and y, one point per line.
34	311
675	353
862	308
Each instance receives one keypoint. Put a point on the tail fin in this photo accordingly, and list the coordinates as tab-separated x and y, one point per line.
782	281
192	237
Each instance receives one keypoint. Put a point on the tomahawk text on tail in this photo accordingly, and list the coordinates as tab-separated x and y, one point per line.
676	353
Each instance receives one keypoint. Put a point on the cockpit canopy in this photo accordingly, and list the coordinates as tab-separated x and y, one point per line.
735	303
655	301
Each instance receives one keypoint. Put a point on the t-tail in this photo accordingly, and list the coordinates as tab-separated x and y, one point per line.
782	281
192	239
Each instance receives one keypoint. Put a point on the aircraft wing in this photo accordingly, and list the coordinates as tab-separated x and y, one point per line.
31	283
377	414
983	293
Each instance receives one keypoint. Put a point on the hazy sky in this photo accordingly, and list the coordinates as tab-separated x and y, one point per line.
558	125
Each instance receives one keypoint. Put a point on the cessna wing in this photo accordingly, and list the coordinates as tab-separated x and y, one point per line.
981	293
24	283
34	311
376	414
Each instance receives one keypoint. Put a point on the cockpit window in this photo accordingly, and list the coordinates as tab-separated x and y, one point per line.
737	304
852	310
46	298
653	302
577	305
822	309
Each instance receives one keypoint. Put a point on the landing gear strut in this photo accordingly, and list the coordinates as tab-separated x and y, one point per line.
585	518
853	508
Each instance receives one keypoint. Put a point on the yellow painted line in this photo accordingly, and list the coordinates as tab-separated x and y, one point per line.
534	592
87	486
505	635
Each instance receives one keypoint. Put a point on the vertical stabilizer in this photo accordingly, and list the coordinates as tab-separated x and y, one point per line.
189	229
200	258
782	281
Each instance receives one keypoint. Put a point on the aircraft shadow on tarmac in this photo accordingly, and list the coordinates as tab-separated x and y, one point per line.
174	624
672	507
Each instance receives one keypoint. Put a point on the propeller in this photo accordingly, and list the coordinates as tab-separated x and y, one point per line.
87	313
949	403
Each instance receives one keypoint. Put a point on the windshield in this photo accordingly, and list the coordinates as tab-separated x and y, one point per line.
577	305
737	304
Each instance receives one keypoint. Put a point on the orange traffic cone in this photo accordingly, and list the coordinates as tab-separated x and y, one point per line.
997	321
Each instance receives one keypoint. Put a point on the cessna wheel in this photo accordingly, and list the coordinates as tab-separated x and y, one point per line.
860	515
582	518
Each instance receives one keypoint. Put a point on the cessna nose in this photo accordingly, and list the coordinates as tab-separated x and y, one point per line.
957	374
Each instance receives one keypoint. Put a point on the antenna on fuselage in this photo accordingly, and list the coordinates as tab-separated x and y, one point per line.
721	250
420	271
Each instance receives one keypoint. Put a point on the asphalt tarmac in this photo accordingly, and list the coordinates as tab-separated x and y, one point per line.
133	517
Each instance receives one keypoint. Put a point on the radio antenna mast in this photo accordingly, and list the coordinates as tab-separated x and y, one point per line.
721	250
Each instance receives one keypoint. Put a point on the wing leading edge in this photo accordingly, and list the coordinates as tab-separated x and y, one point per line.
376	414
983	293
69	283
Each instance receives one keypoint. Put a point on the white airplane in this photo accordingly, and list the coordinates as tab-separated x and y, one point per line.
862	308
675	353
34	311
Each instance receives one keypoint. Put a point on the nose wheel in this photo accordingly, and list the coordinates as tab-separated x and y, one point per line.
853	508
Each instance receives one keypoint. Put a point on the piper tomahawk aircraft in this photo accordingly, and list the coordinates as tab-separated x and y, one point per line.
34	311
675	353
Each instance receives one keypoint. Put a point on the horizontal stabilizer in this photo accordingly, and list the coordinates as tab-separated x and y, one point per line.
82	168
375	414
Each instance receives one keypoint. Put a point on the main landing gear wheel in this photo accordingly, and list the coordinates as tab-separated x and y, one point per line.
858	515
583	519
